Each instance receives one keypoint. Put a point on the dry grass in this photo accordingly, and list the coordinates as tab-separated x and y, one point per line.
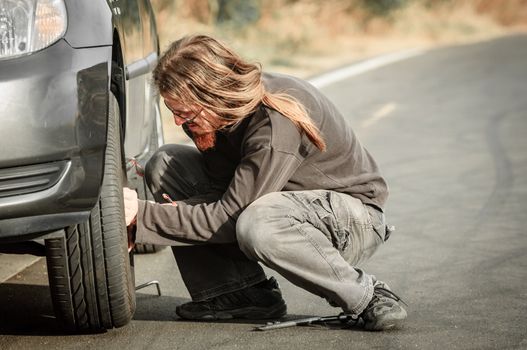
307	37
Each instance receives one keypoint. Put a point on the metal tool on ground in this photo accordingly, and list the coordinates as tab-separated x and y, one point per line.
144	285
344	319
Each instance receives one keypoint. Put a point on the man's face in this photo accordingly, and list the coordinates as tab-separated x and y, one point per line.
201	123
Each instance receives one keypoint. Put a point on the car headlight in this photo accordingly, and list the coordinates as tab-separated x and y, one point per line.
27	26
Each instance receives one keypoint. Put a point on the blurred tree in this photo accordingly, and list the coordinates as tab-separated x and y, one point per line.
383	7
237	13
431	4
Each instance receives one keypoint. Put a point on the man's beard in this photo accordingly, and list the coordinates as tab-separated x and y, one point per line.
205	141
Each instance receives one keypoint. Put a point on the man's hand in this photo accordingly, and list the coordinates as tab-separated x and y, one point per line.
130	206
130	215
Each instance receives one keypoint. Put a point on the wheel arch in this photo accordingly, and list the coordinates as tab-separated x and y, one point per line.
117	80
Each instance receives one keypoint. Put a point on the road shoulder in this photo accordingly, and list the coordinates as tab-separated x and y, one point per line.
11	264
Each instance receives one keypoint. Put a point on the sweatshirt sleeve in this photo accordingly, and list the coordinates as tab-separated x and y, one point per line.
262	169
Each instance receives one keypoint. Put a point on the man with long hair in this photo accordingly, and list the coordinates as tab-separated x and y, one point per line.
277	177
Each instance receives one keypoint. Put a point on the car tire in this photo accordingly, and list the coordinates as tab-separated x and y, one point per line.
89	269
140	248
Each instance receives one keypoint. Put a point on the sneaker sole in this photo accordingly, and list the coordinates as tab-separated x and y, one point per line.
250	312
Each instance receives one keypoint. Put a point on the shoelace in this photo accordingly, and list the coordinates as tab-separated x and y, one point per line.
389	294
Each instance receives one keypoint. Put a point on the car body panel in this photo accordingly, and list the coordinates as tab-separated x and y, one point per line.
134	21
90	23
55	108
53	115
140	50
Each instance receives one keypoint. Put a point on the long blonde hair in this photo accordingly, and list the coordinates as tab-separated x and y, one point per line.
199	69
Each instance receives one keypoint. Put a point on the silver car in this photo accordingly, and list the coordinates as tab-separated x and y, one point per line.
77	107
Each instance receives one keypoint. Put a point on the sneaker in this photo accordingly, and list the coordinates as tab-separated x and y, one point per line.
261	301
383	312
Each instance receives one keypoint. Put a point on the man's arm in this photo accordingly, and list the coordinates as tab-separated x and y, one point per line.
262	170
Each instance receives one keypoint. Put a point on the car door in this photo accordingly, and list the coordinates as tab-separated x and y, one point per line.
152	118
139	56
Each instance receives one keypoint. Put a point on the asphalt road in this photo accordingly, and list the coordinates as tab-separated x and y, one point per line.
448	128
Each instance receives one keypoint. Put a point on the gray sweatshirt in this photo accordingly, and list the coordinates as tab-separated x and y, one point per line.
266	153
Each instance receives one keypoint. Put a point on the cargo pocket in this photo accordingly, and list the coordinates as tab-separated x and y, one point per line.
320	212
341	229
373	237
362	239
378	223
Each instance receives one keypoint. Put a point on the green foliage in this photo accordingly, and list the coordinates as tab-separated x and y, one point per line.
431	4
238	13
383	8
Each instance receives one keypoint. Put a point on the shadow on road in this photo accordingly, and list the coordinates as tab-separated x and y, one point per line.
27	310
157	308
163	308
